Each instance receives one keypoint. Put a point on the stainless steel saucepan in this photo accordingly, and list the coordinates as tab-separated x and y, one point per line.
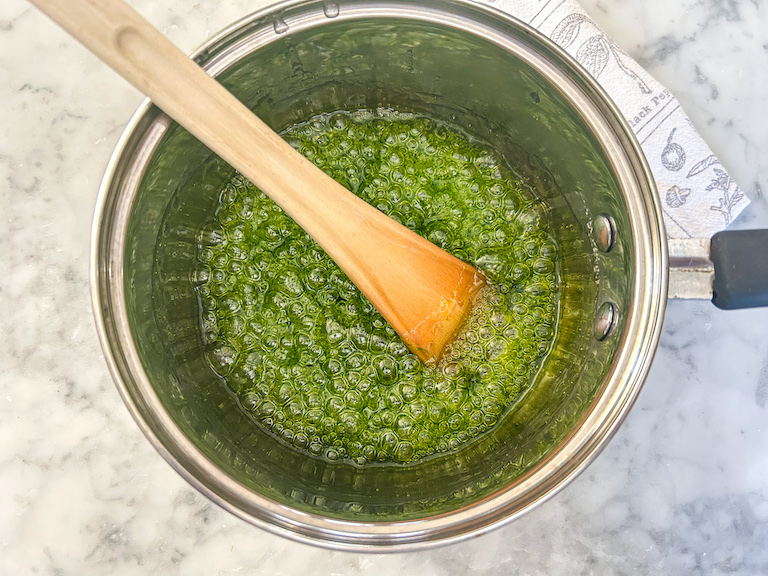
456	61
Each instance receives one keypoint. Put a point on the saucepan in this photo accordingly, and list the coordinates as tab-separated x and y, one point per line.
499	80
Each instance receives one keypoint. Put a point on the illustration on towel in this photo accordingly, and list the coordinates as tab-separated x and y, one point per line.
595	53
676	197
673	155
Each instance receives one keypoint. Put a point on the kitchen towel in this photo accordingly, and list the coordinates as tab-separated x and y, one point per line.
698	196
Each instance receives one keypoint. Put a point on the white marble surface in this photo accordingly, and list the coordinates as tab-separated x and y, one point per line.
682	489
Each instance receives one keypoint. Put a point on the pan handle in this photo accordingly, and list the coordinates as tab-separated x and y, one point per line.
731	269
740	259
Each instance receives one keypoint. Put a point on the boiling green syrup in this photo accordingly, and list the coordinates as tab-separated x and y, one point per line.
305	352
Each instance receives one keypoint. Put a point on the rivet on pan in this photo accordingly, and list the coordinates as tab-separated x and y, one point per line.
605	232
606	319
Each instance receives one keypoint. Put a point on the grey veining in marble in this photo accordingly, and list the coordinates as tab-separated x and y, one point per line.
682	489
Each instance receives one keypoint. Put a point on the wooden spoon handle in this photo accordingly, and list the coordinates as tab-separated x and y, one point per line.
421	290
142	55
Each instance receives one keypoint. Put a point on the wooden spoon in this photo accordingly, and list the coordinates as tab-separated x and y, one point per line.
422	291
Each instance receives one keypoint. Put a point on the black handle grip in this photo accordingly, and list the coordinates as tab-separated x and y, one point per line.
740	258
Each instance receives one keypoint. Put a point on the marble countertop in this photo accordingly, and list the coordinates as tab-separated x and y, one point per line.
681	489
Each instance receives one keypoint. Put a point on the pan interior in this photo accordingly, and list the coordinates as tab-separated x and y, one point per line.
412	66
